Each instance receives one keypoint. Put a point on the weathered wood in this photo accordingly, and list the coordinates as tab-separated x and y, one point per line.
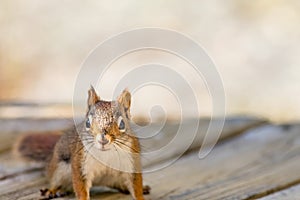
11	128
252	165
291	193
232	127
246	167
14	127
11	168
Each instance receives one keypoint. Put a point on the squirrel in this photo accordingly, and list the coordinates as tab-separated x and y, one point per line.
101	151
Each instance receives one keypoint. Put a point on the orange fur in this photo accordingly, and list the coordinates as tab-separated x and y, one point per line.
72	167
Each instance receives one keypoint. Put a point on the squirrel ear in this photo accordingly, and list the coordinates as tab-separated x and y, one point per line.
125	99
93	97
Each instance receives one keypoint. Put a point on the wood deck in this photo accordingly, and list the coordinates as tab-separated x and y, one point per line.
253	160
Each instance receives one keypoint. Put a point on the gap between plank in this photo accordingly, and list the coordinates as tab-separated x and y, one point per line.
273	190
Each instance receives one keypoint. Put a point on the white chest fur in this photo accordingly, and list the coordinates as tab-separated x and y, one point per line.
108	168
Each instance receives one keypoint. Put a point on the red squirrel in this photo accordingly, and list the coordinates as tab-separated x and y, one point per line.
101	151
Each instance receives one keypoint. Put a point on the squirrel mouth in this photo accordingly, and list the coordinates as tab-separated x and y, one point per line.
103	145
103	142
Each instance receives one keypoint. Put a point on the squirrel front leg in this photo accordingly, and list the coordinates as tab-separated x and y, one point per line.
136	186
81	186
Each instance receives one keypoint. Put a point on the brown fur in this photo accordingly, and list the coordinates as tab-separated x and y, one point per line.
76	161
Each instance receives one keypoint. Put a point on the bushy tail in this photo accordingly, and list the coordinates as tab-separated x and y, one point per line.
36	146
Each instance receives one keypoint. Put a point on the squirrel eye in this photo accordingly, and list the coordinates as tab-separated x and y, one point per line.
88	123
121	124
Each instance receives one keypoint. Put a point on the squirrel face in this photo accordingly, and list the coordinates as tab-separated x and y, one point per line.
107	121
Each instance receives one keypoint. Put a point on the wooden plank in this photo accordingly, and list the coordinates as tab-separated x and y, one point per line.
250	166
246	167
11	128
10	168
232	126
291	193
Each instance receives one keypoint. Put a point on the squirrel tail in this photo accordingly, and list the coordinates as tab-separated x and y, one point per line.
36	146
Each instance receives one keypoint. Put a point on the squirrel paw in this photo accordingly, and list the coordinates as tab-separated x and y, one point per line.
146	189
51	194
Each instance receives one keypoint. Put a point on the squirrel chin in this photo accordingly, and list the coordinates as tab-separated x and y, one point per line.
102	147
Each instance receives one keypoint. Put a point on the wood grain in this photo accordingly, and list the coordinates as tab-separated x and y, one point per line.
259	162
12	169
10	129
291	193
255	164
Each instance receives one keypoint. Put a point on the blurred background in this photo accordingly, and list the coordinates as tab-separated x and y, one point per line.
254	44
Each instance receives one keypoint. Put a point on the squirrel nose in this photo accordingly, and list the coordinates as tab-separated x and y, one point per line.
102	140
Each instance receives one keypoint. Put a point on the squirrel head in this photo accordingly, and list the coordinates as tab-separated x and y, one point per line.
107	121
